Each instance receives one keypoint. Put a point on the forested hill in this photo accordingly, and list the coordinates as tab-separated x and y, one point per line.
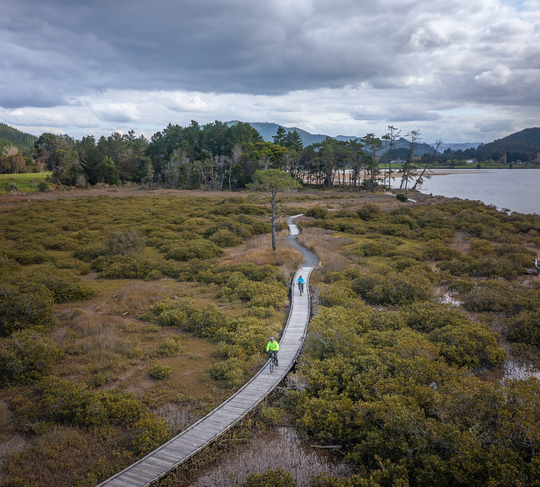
526	141
16	137
268	130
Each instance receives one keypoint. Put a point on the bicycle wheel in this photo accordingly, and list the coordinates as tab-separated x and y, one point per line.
271	364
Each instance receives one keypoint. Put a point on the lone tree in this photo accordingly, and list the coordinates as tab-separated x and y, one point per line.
273	183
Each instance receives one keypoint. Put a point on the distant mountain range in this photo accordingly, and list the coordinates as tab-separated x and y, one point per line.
268	129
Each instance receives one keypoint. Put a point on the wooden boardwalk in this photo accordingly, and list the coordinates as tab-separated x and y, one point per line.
183	446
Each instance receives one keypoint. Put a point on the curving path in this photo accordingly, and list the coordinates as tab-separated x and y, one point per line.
176	451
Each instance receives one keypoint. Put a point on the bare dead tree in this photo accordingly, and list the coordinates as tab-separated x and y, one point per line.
430	162
409	166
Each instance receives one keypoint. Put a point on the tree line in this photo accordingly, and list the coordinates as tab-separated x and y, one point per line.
218	156
214	156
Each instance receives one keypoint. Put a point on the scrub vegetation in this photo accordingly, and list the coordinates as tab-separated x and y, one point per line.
393	374
123	320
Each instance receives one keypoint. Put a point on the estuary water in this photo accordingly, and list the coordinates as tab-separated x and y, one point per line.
515	189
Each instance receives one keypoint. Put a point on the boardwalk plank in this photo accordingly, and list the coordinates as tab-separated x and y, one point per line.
156	464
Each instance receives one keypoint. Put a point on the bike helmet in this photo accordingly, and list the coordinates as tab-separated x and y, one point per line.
271	339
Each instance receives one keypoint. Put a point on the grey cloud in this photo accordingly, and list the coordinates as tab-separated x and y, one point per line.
234	46
411	114
409	58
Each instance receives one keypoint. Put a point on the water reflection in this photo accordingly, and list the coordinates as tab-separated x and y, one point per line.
283	449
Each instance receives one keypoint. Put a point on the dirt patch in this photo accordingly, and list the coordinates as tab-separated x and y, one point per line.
461	242
9	199
92	276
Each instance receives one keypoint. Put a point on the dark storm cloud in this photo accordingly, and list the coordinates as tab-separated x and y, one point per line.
212	45
122	61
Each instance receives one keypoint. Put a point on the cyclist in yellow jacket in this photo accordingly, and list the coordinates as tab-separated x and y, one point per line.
272	347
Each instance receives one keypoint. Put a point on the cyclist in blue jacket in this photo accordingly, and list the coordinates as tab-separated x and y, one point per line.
301	283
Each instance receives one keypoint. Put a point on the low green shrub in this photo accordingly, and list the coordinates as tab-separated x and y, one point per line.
43	186
480	247
259	312
336	330
245	336
427	316
230	371
154	275
74	264
402	197
492	295
72	403
258	294
26	357
29	306
161	306
123	242
369	211
317	212
474	345
525	327
339	294
173	317
88	253
368	249
408	265
151	432
270	478
160	371
271	416
124	266
393	289
170	347
387	320
438	250
59	243
461	285
207	322
65	286
194	249
27	257
225	238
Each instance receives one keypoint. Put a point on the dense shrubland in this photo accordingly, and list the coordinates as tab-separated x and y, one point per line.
73	327
390	372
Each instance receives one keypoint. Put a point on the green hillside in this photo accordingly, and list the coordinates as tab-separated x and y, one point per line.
526	141
16	137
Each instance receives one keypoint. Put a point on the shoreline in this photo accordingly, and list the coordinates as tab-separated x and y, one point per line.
446	172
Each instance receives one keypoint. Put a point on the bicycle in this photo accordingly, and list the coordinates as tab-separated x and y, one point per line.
301	287
273	361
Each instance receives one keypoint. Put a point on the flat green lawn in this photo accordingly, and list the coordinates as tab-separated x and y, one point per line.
25	182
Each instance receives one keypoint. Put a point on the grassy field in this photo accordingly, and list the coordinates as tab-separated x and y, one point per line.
27	182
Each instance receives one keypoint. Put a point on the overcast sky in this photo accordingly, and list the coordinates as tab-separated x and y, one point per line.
458	70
